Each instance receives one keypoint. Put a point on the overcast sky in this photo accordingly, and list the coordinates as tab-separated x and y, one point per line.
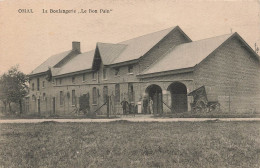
28	39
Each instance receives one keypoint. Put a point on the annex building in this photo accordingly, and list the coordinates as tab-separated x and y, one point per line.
163	66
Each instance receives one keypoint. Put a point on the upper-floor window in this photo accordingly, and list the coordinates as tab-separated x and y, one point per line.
53	80
94	75
84	77
117	70
73	79
130	69
38	84
43	84
60	81
32	86
104	73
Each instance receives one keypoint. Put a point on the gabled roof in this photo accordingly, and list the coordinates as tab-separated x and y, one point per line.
138	46
186	55
110	51
79	63
50	62
116	53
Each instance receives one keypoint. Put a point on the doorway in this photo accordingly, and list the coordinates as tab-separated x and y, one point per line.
154	93
178	97
53	105
39	105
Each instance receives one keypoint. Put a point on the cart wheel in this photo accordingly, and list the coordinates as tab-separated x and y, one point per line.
201	106
217	107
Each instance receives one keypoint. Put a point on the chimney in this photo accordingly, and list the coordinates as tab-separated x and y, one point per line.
76	46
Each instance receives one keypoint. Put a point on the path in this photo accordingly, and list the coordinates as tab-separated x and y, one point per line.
133	119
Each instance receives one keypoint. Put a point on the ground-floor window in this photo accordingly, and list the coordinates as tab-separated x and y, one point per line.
73	97
105	93
94	94
130	92
117	93
61	98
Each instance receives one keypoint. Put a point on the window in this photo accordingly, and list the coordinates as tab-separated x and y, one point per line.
60	81
73	79
117	93
94	75
130	69
56	81
61	98
43	84
53	80
105	93
73	97
38	84
43	96
33	98
94	94
32	86
117	70
104	73
84	77
131	94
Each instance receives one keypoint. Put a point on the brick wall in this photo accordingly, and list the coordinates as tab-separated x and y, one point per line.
231	75
81	87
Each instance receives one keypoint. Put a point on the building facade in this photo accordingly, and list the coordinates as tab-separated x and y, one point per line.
163	67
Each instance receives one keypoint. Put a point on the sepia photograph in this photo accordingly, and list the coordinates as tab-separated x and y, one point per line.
129	83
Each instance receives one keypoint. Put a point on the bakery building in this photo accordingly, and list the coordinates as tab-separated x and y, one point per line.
163	66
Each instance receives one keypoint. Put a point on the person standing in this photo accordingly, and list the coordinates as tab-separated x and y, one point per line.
151	106
145	104
124	104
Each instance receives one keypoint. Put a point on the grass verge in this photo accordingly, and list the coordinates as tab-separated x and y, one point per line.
127	144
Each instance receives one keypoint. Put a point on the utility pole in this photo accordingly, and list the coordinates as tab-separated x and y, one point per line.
107	102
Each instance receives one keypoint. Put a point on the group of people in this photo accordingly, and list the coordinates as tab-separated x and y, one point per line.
147	106
131	107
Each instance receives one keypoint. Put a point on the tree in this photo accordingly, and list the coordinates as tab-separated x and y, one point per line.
13	87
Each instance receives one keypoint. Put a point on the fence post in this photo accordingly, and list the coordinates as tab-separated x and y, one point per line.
107	102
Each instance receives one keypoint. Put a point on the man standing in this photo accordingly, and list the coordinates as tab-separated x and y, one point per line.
145	104
151	106
124	103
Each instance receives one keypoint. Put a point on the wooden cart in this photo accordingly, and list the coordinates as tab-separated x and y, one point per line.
201	102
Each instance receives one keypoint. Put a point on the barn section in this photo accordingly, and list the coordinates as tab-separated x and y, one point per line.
232	76
227	67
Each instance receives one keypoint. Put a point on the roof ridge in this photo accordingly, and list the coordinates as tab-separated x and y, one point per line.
110	43
213	37
148	34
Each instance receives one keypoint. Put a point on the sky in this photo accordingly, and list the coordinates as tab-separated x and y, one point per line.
28	39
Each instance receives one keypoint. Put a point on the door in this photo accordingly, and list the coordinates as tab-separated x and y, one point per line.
53	105
39	106
157	102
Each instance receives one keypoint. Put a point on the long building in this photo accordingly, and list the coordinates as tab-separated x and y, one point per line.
163	66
